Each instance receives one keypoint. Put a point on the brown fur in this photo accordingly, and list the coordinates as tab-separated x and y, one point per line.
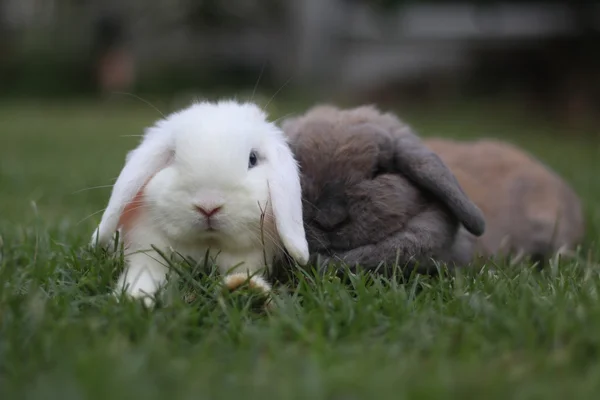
529	210
373	193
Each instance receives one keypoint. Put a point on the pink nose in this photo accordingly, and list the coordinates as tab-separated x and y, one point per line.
208	212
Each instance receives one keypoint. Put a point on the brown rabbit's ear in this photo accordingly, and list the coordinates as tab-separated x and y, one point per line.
428	171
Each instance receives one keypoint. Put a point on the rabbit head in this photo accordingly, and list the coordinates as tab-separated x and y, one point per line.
367	180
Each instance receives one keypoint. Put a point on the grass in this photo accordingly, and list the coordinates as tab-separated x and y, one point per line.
513	333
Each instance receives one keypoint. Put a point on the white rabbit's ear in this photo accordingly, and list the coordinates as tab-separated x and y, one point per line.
286	201
141	164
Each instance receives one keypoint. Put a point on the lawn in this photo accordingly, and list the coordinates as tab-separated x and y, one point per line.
494	332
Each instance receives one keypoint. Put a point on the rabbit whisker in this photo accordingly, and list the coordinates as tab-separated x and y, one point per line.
311	204
317	238
91	215
142	100
282	117
257	82
92	188
277	92
258	234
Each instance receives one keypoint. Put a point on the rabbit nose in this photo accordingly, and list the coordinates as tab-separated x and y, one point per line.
207	211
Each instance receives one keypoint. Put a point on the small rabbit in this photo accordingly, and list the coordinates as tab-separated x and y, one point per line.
530	211
373	193
214	177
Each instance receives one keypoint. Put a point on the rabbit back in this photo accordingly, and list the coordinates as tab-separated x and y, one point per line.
529	210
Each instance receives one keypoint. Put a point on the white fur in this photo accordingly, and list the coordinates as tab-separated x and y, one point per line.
199	156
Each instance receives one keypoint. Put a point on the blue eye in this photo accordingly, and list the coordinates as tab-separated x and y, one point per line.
252	159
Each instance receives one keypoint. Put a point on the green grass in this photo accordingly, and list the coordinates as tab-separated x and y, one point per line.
513	333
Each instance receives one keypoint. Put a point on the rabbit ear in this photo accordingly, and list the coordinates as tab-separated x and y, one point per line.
286	201
151	155
427	170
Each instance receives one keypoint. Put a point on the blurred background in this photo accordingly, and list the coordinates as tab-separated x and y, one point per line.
541	55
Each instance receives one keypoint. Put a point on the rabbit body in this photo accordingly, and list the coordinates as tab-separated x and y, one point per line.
216	178
373	193
530	211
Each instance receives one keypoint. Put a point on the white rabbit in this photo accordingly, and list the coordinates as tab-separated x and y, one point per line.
214	176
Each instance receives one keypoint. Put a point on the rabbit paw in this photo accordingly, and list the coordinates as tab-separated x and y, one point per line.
257	284
236	280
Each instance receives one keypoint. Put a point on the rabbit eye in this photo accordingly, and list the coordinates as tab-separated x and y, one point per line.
252	159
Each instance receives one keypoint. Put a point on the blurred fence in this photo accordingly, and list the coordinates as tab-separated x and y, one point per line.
548	50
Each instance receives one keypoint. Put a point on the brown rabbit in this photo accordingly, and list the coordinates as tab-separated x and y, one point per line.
373	193
529	210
